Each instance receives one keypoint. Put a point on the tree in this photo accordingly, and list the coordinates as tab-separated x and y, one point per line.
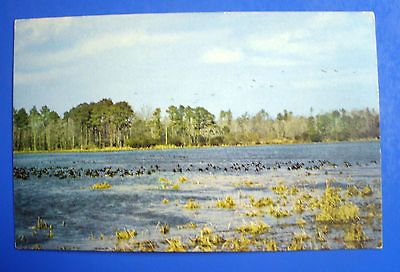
21	123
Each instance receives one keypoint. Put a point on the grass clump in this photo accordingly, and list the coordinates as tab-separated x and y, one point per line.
189	225
125	234
301	222
278	212
134	245
165	201
191	205
354	236
352	191
341	214
146	246
175	187
262	202
170	186
164	180
320	236
299	206
293	190
255	213
254	228
227	203
207	241
280	189
41	224
271	245
164	229
101	186
175	245
366	191
236	244
333	209
183	179
297	242
248	184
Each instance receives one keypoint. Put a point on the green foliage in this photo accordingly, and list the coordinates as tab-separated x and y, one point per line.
105	124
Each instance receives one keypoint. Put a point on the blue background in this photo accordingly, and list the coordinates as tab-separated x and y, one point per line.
388	40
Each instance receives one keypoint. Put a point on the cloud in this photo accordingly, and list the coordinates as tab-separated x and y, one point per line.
276	62
37	31
222	55
293	43
40	77
91	46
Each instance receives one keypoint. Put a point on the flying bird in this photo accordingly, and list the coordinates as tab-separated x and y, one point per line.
335	70
271	86
323	71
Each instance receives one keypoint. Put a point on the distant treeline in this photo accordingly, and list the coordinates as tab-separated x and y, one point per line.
107	124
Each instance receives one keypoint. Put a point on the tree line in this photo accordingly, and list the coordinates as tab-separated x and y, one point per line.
107	124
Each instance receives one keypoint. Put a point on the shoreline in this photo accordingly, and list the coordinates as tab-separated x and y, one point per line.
170	147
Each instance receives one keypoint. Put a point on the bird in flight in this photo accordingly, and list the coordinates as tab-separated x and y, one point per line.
323	71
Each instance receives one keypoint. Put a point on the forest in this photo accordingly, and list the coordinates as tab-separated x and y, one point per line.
105	124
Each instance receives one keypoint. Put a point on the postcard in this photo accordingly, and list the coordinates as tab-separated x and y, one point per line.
197	132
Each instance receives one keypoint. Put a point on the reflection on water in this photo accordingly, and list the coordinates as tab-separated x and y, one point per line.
58	190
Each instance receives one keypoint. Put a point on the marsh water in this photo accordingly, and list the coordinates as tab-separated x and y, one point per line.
57	188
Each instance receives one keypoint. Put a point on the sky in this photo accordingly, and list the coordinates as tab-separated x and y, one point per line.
243	62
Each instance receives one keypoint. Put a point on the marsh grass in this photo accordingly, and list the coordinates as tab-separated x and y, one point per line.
366	191
175	245
183	179
101	186
297	242
278	212
189	225
227	203
262	202
255	213
191	205
254	228
354	236
248	184
125	234
301	222
207	241
236	244
164	229
41	224
324	217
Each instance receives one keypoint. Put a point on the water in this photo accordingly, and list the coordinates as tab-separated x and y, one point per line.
86	219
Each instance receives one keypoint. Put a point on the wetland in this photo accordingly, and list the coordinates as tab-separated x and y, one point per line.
255	198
